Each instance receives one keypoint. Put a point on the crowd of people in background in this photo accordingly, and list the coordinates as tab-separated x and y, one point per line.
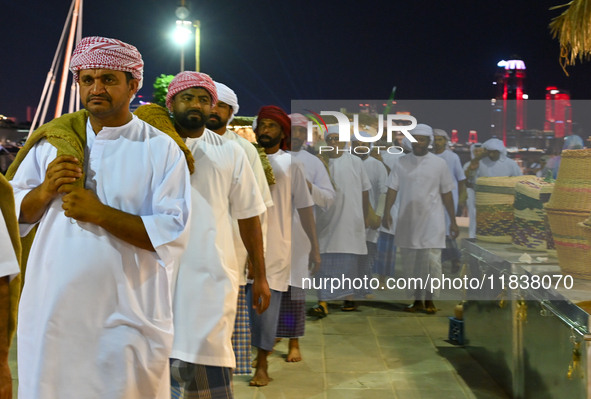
160	246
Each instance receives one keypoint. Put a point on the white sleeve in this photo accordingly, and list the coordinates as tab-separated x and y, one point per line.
259	174
365	182
382	178
30	174
245	197
447	182
167	226
458	170
393	181
8	262
323	192
299	188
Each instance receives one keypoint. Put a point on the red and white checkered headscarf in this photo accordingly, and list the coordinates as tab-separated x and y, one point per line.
298	120
95	52
188	79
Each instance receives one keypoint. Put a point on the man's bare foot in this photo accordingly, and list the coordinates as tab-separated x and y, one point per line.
294	354
261	378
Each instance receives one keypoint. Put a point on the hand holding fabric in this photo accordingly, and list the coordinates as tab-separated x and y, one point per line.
81	204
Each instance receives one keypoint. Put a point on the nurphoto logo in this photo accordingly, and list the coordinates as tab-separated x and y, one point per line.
345	130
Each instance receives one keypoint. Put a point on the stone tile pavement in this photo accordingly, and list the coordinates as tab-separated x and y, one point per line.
378	351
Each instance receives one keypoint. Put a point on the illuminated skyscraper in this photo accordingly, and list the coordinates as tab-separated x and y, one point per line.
509	111
558	112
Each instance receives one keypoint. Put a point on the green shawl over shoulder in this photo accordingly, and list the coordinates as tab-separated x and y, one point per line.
8	211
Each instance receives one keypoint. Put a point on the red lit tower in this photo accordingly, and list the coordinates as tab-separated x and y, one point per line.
558	112
508	103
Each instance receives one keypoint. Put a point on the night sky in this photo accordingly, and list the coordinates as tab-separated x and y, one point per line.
272	52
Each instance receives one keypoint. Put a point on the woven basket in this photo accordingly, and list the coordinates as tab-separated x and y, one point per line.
574	251
529	229
586	228
494	207
572	191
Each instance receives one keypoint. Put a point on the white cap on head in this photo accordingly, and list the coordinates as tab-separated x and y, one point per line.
227	95
495	145
334	129
423	130
441	132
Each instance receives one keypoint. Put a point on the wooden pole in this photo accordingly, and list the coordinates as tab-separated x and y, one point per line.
64	81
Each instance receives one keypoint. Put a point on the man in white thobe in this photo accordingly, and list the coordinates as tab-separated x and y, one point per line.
222	113
95	318
291	236
441	149
475	150
424	184
493	162
378	175
341	229
206	279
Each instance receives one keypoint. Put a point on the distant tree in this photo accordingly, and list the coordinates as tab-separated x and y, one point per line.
161	88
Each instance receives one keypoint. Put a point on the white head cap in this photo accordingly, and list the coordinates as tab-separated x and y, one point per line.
227	95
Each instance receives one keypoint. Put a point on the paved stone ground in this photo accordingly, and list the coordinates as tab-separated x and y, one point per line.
378	351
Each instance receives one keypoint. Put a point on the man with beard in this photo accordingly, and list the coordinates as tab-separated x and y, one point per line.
220	116
95	318
341	229
292	314
441	149
378	175
424	184
206	279
291	237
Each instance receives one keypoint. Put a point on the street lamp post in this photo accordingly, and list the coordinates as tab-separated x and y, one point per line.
182	32
181	36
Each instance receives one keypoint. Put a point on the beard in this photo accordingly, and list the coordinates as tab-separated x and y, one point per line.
185	120
266	141
215	122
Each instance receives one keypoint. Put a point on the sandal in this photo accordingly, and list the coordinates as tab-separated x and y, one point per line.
317	311
348	306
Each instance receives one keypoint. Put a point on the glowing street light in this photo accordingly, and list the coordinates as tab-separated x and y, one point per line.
181	35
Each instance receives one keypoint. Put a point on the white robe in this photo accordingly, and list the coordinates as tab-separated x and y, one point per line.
323	192
502	167
261	180
341	229
95	317
206	280
471	204
457	172
378	175
288	245
420	181
395	207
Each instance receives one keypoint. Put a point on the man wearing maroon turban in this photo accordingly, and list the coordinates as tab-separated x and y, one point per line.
109	195
291	233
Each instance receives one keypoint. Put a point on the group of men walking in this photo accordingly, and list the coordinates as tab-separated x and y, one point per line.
160	245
